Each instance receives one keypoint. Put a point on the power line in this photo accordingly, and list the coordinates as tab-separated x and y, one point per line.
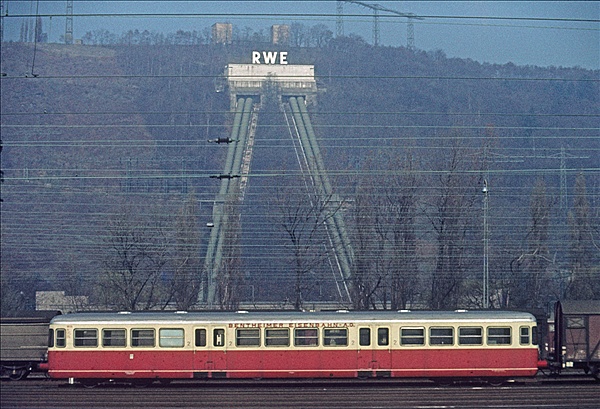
318	113
331	16
332	76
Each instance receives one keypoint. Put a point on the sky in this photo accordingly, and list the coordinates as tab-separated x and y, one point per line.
543	33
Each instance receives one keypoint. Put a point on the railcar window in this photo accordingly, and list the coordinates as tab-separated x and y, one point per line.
113	337
498	336
277	337
470	336
61	338
383	336
364	337
534	336
51	338
412	336
142	337
441	336
524	338
85	338
247	337
335	337
200	338
218	337
171	337
306	337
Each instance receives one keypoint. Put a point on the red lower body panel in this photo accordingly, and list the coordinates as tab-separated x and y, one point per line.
465	363
324	363
121	364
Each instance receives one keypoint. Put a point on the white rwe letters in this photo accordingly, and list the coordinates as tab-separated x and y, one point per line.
269	57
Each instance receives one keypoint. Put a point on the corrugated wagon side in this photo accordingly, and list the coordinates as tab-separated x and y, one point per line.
576	337
24	342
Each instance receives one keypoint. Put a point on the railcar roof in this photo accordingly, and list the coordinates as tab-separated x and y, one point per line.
583	307
226	317
27	317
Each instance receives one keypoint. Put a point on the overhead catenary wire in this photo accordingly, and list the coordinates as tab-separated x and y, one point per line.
319	113
332	76
304	15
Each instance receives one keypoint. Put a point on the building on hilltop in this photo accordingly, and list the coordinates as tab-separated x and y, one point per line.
290	80
280	34
222	33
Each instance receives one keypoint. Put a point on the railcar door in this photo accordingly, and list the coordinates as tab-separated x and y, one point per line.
201	352
218	358
382	354
576	339
374	353
209	352
365	353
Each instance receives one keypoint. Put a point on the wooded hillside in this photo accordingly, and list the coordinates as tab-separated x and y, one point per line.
107	187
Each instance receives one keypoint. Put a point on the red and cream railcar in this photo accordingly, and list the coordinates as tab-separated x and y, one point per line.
143	346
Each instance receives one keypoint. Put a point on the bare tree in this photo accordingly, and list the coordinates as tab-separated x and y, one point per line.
12	294
186	256
531	270
299	35
366	277
230	279
320	35
401	201
451	219
583	252
136	252
385	264
303	216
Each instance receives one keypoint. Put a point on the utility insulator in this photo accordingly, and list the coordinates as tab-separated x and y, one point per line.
224	176
222	140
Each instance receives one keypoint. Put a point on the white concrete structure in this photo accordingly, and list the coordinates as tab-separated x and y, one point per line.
290	80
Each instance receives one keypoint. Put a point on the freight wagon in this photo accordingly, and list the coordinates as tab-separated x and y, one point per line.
24	342
574	337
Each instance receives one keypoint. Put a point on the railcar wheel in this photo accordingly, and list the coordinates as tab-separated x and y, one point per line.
595	369
18	373
142	383
496	381
444	382
89	383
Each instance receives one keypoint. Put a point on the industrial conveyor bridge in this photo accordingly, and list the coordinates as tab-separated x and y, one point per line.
295	85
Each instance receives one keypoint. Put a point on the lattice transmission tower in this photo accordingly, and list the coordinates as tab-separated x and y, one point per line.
69	23
376	8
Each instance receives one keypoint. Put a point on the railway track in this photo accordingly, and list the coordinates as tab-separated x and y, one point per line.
566	393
